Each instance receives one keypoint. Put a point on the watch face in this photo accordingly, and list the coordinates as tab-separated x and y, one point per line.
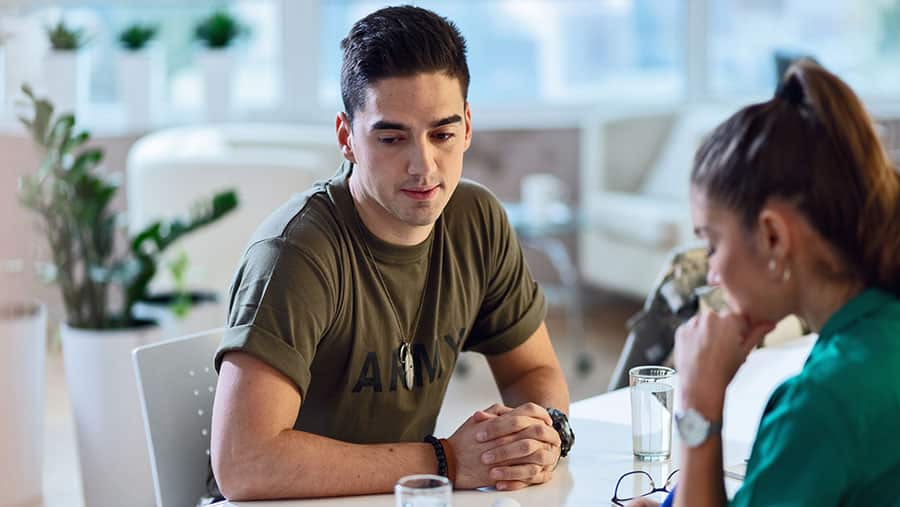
693	427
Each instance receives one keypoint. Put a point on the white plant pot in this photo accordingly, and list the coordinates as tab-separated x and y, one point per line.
23	338
67	80
112	447
218	71
3	91
141	84
23	50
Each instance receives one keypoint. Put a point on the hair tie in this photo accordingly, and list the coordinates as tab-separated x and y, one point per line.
791	90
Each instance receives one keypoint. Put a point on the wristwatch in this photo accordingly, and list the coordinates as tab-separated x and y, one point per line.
561	425
694	428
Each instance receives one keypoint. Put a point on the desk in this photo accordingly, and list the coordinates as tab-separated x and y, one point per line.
603	442
765	369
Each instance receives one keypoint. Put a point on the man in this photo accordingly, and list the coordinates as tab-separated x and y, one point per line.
354	299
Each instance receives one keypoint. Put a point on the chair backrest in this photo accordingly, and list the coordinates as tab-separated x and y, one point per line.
176	383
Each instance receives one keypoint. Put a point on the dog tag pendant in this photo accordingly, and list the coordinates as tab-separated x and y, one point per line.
406	362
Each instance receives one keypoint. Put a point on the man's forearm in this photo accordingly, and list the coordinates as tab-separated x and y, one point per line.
545	386
297	464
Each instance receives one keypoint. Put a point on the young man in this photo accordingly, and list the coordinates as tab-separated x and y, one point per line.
354	299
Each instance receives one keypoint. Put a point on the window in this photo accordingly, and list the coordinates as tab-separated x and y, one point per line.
559	56
555	52
860	41
257	83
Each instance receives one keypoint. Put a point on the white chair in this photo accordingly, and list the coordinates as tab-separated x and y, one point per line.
634	177
176	383
169	170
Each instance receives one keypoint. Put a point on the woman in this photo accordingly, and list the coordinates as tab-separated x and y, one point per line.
801	209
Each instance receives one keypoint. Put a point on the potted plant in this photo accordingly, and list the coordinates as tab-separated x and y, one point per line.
71	198
23	336
66	67
141	68
217	34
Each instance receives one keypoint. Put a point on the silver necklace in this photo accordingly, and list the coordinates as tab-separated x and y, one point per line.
404	352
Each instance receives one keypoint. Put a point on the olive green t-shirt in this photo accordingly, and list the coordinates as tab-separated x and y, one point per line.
829	436
307	299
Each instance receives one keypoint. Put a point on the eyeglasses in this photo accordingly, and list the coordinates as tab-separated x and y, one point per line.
639	483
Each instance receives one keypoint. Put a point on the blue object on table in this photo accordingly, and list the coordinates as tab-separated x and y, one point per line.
670	499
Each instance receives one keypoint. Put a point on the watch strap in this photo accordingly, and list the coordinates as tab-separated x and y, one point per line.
562	427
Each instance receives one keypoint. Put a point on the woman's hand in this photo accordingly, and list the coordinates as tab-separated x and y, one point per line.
709	349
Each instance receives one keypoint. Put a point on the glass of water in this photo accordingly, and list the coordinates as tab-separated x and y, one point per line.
652	400
423	491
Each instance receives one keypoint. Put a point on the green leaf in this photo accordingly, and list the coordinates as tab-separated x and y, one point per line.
106	233
149	233
64	38
136	36
219	30
75	142
61	133
39	124
30	193
178	268
87	160
181	305
224	202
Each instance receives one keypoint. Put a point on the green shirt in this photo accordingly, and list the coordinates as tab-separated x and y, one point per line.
831	435
307	299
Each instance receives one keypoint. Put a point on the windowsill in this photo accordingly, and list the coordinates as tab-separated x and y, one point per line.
108	120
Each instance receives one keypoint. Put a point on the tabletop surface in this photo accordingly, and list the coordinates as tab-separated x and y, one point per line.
602	451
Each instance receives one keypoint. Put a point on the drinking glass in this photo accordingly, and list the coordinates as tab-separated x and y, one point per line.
423	491
652	400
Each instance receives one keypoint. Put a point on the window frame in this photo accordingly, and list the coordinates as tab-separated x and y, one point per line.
300	102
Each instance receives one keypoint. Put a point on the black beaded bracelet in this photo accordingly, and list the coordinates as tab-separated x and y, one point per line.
439	453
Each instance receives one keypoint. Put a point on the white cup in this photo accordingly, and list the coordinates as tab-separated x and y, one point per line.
540	193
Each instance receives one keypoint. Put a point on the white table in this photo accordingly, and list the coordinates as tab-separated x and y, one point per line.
602	450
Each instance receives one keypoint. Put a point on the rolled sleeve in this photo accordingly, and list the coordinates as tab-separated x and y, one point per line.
519	332
268	348
280	309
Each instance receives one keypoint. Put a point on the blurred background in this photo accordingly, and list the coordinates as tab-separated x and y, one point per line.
557	56
586	116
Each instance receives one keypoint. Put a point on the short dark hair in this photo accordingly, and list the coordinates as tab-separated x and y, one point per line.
815	146
399	42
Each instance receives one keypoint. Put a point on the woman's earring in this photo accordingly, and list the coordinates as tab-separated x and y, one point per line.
785	275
